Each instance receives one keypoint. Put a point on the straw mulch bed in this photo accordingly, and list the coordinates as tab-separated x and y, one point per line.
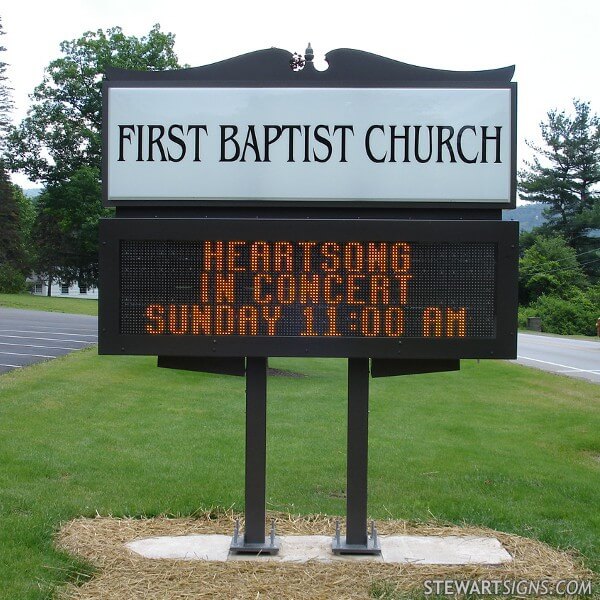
122	575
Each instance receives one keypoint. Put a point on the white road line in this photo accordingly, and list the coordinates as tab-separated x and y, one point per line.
4	323
34	346
34	355
53	332
594	372
555	364
13	366
29	337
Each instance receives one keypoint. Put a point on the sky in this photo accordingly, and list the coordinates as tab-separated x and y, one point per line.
552	43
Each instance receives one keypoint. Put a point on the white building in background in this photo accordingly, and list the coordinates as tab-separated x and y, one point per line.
60	290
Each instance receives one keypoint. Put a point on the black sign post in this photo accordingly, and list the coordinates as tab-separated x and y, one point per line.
253	539
373	235
256	449
357	540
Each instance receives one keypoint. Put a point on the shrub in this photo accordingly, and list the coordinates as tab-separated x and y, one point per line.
593	293
12	281
575	316
549	266
524	313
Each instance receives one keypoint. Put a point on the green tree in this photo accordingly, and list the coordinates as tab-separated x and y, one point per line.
59	144
549	266
565	173
27	216
27	210
62	131
527	239
67	227
48	240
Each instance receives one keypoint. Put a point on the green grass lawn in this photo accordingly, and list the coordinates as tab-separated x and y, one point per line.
76	306
495	444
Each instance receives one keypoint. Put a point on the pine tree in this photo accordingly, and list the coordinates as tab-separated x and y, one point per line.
6	103
565	174
11	247
10	231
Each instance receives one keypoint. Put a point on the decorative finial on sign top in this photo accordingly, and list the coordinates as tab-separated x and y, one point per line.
309	54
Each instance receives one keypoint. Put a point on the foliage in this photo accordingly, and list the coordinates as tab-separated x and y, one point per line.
27	216
11	258
6	102
12	281
549	266
527	239
16	213
553	287
570	170
593	293
11	242
61	133
59	144
49	243
575	315
66	229
524	313
565	173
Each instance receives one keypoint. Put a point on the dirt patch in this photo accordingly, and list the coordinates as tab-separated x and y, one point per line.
284	373
123	575
595	456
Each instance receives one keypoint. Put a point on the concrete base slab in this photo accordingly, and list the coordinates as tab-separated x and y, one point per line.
447	550
423	550
184	547
305	547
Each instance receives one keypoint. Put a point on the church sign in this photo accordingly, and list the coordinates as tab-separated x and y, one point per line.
343	145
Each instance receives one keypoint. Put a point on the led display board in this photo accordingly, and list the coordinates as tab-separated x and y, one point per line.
284	287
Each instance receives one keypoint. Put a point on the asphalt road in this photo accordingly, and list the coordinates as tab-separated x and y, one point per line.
575	358
28	336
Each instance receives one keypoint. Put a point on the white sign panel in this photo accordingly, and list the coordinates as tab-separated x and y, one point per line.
272	144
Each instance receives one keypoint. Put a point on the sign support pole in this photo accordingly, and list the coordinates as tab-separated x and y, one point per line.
357	540
253	540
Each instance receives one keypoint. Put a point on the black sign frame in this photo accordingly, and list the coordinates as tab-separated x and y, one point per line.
504	234
348	68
